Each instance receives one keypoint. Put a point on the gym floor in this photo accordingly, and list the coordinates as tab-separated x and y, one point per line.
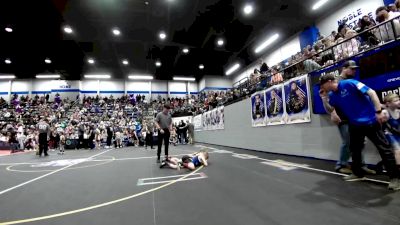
126	186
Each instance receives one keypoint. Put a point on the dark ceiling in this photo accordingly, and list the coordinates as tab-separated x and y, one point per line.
38	34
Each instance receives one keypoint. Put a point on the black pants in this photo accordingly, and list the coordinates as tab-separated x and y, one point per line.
43	143
161	137
109	138
376	135
185	136
179	136
149	139
80	141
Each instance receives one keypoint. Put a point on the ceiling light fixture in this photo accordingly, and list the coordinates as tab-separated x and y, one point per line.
116	32
232	69
184	78
140	77
7	61
201	66
220	42
7	76
266	43
158	63
91	61
162	35
185	50
97	76
8	29
46	76
68	29
47	60
125	62
146	3
248	9
318	4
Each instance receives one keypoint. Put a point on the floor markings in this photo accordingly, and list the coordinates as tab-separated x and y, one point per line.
317	170
99	205
245	156
43	176
92	160
52	164
162	180
290	164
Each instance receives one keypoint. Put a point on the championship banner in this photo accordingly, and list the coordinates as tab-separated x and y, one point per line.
203	121
221	118
197	123
207	121
211	120
297	100
258	116
275	105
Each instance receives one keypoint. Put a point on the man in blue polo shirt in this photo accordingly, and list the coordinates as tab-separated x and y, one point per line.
361	106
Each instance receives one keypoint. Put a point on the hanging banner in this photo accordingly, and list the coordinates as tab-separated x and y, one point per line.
208	121
197	123
203	121
275	105
221	118
185	119
211	120
297	100
258	116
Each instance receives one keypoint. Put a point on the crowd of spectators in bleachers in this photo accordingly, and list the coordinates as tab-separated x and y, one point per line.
92	122
339	45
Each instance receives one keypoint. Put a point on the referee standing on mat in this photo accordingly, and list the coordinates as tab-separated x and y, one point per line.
163	123
44	136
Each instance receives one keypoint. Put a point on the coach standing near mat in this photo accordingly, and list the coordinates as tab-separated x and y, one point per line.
362	108
44	136
163	124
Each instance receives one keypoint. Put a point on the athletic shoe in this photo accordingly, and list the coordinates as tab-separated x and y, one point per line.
344	170
369	171
158	161
353	177
394	184
163	164
178	166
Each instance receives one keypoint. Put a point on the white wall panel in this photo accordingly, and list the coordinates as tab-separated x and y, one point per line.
21	87
177	89
202	84
4	89
193	87
218	82
159	88
351	12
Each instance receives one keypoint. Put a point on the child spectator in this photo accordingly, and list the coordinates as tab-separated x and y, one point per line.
62	143
392	125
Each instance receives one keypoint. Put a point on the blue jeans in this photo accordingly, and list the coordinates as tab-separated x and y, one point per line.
345	147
